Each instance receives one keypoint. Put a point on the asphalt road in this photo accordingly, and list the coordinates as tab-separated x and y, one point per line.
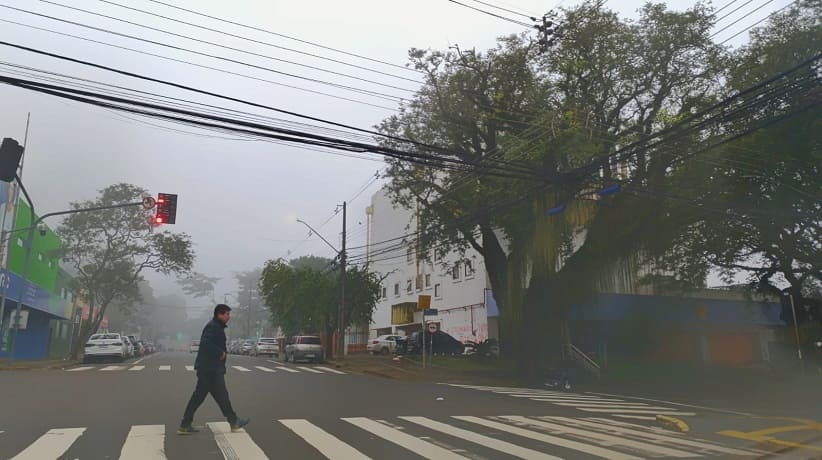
131	410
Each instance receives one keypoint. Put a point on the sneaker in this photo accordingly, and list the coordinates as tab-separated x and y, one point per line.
187	430
239	424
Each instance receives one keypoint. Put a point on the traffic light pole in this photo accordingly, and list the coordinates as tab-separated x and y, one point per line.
27	258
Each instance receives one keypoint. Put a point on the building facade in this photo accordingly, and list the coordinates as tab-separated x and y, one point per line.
456	283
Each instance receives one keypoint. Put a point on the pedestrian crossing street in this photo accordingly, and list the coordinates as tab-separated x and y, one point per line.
455	437
268	369
595	404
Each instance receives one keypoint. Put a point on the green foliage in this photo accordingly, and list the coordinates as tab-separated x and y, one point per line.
198	285
108	251
303	295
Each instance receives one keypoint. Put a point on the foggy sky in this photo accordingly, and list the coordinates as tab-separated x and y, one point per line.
234	196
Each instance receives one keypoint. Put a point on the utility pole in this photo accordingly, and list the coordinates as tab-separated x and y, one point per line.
341	312
796	333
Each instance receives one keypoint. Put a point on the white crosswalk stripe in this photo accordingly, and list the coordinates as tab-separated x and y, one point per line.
80	369
328	369
165	368
309	369
169	368
53	444
136	368
189	368
241	368
113	368
235	446
265	369
287	369
451	438
321	440
584	402
145	442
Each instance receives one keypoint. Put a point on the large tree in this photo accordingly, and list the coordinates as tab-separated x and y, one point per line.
765	189
303	295
608	83
109	251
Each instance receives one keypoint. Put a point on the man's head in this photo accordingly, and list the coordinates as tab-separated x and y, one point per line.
222	313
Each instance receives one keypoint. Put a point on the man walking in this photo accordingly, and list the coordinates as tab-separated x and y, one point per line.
210	367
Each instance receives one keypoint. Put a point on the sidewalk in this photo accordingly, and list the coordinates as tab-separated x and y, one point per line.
36	364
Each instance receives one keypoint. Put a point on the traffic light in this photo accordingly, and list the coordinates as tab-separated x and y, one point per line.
166	208
10	154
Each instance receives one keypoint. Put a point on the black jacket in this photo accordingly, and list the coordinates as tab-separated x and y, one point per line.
212	346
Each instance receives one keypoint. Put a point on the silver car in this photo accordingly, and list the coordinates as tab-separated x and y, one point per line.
266	346
304	348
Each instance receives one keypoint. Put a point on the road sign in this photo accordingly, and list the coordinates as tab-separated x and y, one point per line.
430	312
149	202
433	327
424	302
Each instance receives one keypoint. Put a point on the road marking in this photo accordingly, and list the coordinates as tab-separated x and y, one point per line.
241	368
418	446
557	396
760	438
610	439
189	368
319	439
548	439
136	368
235	446
637	411
328	369
612	406
78	369
265	369
667	439
145	442
485	441
165	368
309	369
692	406
113	368
272	361
287	369
569	400
635	417
53	444
139	360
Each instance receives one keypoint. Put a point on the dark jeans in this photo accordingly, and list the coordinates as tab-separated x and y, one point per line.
214	383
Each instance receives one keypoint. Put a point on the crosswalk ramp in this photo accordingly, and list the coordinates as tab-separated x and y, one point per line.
586	402
360	438
267	369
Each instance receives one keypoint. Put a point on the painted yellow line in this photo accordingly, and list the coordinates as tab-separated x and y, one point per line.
769	440
673	423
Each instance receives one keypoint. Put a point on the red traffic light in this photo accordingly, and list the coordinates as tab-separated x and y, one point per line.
166	208
158	220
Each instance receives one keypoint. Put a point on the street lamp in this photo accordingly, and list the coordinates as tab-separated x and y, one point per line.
342	255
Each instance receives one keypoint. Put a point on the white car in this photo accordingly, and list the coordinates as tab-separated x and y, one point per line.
195	346
383	344
129	346
266	346
107	345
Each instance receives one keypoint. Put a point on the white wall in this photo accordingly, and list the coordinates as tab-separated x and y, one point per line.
390	259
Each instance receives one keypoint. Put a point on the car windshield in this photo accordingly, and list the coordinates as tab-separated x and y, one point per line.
310	340
266	341
104	337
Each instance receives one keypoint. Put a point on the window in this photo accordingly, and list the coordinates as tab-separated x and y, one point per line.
409	255
437	255
20	242
438	291
397	289
409	287
427	280
469	268
455	272
384	292
40	256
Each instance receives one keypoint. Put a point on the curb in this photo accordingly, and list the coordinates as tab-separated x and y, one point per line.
672	423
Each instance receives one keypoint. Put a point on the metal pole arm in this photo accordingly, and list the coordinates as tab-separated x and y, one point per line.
318	234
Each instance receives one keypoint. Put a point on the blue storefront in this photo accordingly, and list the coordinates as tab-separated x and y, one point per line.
39	315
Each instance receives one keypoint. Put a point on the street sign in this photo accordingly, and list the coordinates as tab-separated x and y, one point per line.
149	202
424	302
433	327
430	312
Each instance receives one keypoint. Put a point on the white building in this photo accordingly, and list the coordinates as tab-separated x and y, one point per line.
457	283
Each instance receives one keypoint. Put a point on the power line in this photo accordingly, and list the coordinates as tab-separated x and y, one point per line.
741	18
219	45
208	55
336	50
229	34
514	21
756	23
507	10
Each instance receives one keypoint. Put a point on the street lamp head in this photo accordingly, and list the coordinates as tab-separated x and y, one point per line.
291	218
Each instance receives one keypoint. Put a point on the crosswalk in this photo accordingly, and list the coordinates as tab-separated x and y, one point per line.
454	437
270	369
594	404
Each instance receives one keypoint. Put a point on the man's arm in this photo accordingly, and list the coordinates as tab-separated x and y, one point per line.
209	342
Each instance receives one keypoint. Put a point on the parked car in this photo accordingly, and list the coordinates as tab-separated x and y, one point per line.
108	345
265	346
436	343
129	346
139	348
234	347
194	347
247	347
383	344
304	348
